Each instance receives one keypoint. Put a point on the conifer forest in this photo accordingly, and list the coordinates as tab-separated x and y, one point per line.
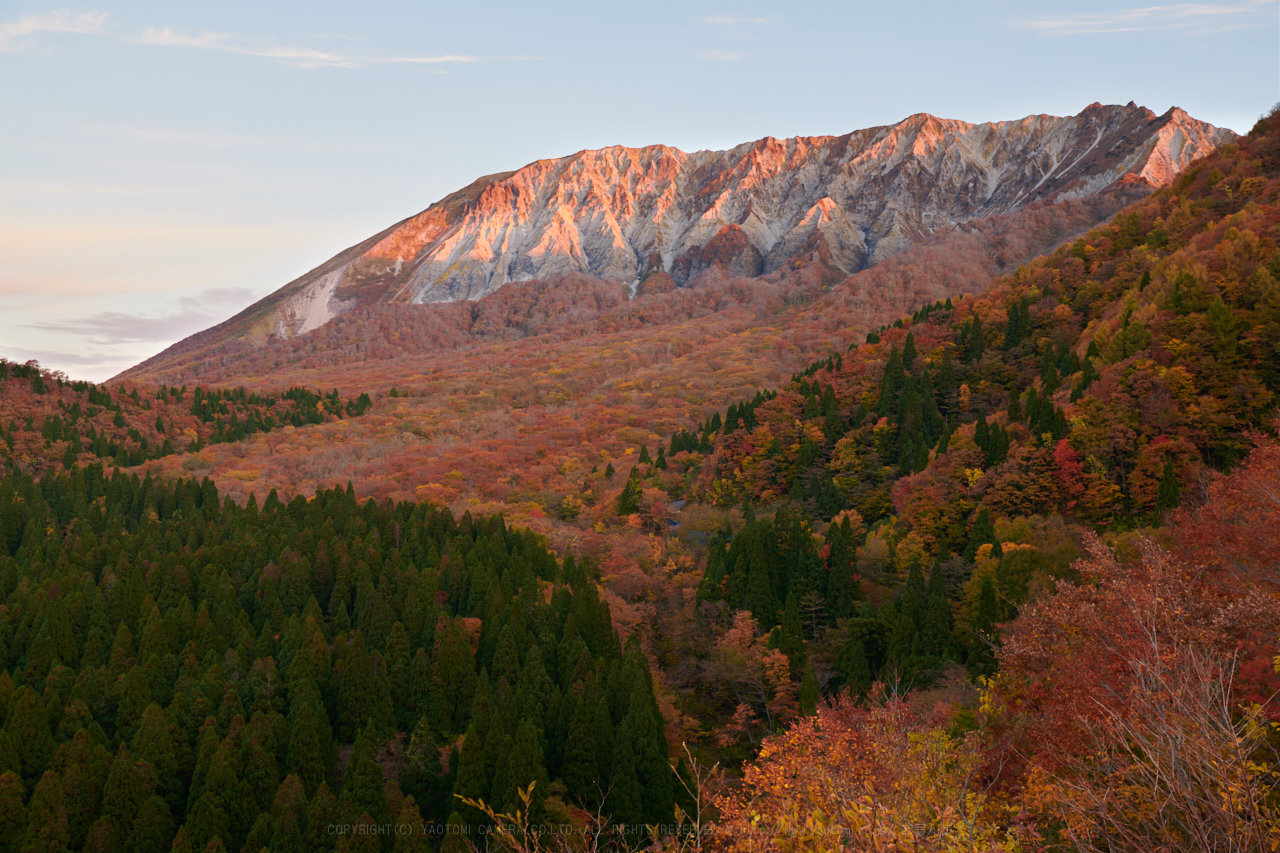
990	565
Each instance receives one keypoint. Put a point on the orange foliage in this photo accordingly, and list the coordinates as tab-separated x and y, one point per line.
867	779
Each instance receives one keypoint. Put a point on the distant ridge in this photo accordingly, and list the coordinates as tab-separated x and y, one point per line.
627	213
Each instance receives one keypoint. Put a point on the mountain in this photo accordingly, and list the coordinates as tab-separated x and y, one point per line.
1030	528
625	213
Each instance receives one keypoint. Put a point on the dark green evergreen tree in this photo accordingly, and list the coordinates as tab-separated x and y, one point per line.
624	801
578	769
711	587
396	663
13	813
891	382
982	435
789	635
524	765
1013	330
909	352
855	667
937	637
1049	371
1169	490
362	782
983	533
629	500
759	591
322	813
809	695
153	743
152	828
976	342
907	619
843	590
310	741
981	658
288	817
47	828
29	735
412	842
473	779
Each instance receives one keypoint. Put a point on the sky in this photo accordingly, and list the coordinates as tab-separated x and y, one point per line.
163	165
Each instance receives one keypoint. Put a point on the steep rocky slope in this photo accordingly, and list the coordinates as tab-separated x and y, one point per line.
625	213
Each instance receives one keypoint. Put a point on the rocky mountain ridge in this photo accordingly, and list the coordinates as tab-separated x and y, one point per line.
624	213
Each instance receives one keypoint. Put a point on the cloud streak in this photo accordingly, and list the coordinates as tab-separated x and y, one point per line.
1215	17
113	328
231	43
22	36
436	60
111	363
17	36
721	55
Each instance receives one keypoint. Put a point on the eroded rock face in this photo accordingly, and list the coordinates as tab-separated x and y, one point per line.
621	213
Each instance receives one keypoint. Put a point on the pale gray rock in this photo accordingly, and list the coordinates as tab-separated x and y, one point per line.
748	210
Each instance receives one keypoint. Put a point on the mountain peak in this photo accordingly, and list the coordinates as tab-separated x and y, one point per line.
622	213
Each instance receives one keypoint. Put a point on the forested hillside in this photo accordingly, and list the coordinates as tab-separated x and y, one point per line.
173	678
54	423
999	574
514	400
960	465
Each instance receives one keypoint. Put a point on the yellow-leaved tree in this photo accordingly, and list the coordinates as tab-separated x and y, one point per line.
878	778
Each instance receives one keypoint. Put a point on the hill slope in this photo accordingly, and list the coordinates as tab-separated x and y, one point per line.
622	214
912	507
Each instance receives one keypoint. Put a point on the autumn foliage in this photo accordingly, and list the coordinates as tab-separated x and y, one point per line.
955	554
866	778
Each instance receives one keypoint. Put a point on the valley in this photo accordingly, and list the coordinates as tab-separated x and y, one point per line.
946	452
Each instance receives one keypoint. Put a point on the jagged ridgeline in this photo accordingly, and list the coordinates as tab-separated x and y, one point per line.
1091	388
180	669
1099	379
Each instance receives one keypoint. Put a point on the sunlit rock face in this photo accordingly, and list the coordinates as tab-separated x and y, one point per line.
625	213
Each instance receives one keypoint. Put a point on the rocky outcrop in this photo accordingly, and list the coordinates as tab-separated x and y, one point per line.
730	249
626	213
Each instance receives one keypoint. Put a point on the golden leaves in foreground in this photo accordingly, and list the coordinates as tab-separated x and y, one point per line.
866	779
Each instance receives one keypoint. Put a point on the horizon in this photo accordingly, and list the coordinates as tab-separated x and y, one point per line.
169	166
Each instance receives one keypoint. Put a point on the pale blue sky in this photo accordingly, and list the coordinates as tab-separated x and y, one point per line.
164	164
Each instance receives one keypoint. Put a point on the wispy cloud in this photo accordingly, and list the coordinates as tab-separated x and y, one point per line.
437	60
733	28
733	20
113	328
59	360
1211	16
22	36
17	36
232	43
